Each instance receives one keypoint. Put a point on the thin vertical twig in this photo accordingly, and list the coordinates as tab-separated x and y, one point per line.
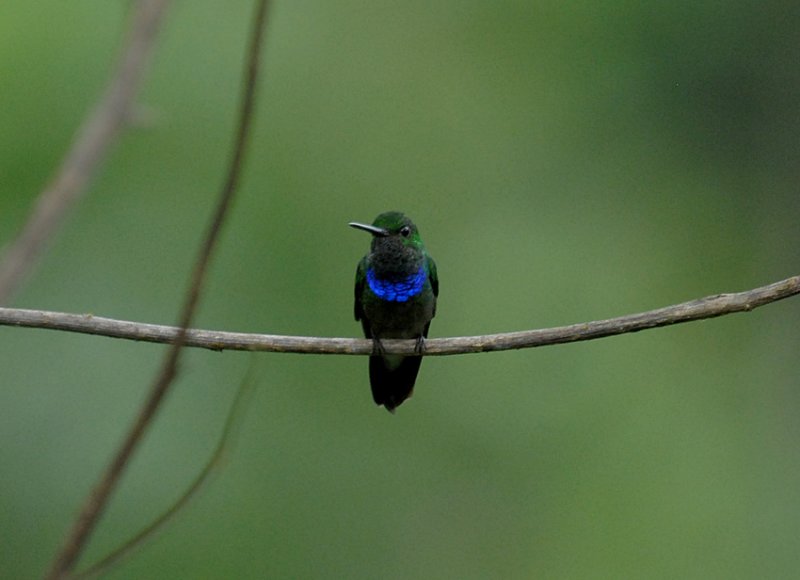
95	504
89	148
217	457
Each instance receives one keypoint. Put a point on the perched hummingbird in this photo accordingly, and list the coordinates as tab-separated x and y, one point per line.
396	290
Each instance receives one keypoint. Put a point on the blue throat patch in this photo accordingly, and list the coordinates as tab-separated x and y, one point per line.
397	291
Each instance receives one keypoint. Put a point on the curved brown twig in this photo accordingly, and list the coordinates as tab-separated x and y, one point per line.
709	307
90	146
98	498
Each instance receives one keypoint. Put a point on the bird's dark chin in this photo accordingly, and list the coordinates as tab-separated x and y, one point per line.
390	249
395	261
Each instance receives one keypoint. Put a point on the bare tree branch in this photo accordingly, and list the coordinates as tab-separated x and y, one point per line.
213	464
92	142
95	504
709	307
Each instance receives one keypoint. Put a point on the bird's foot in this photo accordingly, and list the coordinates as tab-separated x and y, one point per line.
419	346
377	347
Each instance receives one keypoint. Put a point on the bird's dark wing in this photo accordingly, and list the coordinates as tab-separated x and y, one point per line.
434	277
361	280
358	307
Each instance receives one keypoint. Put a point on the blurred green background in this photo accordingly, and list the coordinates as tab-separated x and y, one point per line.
565	161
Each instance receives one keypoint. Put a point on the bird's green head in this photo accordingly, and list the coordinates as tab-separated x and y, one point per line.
390	229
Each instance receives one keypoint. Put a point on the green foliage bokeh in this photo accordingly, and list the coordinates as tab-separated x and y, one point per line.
564	162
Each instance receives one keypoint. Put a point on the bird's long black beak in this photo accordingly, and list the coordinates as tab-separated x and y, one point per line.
375	231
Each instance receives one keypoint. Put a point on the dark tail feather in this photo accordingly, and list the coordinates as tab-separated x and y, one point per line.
392	386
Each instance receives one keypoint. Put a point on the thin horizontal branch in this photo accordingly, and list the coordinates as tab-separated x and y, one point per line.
708	307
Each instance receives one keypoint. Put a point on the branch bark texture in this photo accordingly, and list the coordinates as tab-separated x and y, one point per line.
708	307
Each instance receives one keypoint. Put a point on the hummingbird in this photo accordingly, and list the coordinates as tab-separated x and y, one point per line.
395	297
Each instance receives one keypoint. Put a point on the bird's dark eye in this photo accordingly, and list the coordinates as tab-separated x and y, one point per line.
405	231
